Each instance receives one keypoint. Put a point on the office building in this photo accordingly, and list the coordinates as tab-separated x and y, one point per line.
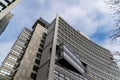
4	22
5	7
25	53
69	55
57	51
15	55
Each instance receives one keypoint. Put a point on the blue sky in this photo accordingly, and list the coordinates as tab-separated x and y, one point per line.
88	16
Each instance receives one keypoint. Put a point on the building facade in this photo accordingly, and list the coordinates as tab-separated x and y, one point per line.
12	61
23	59
56	51
5	7
72	56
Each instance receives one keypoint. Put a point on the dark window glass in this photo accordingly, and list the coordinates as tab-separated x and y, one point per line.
39	55
43	37
44	34
43	41
37	61
35	68
41	45
33	76
40	50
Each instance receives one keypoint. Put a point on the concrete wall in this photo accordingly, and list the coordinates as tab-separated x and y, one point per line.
26	67
48	55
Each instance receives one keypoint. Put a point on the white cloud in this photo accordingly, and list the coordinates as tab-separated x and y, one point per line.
79	13
87	15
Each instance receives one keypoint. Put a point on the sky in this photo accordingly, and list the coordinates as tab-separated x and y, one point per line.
92	17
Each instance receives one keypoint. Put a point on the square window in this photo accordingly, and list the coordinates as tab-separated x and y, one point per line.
37	61
43	41
39	55
35	68
40	50
41	45
33	76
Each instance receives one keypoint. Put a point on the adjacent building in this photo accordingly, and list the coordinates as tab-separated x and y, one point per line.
5	7
4	22
57	51
12	61
23	60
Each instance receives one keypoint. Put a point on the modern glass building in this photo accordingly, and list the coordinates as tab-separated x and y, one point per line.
5	7
4	22
57	51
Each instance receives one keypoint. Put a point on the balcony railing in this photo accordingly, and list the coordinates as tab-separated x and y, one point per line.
70	57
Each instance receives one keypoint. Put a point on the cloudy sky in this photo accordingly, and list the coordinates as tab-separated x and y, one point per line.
91	17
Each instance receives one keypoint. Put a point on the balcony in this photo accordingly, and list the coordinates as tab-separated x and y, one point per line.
68	57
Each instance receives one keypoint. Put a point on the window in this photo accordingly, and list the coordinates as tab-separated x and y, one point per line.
41	45
10	65
61	75
27	33
35	68
13	58
2	6
20	42
5	72
43	37
58	74
44	34
8	1
18	47
4	2
43	41
66	78
23	39
38	55
40	50
33	76
14	52
37	61
25	36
